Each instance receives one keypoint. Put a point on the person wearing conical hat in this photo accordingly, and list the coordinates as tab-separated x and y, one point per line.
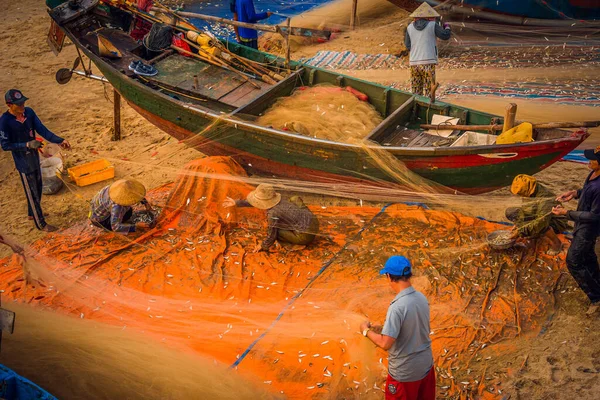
111	207
420	40
534	218
582	261
289	221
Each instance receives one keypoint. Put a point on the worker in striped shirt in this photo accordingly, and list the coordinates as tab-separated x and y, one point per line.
112	209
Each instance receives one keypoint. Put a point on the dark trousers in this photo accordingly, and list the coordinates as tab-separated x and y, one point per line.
106	223
251	43
583	264
32	183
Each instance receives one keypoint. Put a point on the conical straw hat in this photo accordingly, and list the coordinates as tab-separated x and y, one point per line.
424	11
263	197
126	192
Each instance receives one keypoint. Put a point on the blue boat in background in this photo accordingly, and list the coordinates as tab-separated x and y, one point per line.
541	10
14	387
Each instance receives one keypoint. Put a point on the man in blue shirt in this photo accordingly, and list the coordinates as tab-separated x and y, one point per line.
581	258
18	127
405	336
243	11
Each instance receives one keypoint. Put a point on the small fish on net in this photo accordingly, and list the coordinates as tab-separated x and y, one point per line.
324	112
148	217
501	239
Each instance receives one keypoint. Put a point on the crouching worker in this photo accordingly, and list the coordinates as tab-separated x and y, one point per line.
534	219
289	221
111	208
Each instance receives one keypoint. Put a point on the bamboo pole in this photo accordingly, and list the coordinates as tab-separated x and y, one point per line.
223	63
546	125
287	45
353	14
217	62
509	117
251	64
263	76
256	27
296	31
116	115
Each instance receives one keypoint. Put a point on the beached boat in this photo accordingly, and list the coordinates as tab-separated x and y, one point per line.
188	96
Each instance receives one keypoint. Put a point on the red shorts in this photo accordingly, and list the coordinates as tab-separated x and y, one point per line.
417	390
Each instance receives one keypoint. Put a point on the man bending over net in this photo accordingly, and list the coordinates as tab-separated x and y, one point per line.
112	210
534	219
289	221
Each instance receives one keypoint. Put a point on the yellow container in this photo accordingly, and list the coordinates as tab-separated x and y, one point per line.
92	172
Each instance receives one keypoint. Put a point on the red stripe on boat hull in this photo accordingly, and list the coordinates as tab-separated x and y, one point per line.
256	163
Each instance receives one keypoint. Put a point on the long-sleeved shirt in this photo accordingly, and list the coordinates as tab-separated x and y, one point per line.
284	215
246	13
102	208
14	136
587	216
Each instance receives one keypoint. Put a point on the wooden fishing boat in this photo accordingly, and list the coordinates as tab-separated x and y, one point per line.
190	98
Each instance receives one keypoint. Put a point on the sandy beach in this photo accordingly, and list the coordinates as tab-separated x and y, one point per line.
562	361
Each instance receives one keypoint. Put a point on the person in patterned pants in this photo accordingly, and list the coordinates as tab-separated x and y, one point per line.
422	78
420	39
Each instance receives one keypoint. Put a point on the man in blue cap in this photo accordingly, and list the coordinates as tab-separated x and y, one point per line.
581	258
405	336
18	127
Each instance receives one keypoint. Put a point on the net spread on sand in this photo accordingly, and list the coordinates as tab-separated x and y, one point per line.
324	112
289	318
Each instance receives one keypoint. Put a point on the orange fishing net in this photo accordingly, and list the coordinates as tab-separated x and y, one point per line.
290	317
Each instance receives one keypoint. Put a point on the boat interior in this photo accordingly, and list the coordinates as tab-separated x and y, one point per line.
222	90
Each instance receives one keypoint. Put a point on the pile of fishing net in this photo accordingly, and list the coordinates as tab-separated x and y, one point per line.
324	112
288	319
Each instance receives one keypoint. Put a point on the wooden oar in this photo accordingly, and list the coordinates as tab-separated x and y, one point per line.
222	62
546	125
264	77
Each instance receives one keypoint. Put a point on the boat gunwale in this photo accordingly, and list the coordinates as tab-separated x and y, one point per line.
395	150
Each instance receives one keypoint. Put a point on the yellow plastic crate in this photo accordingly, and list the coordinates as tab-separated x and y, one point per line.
92	172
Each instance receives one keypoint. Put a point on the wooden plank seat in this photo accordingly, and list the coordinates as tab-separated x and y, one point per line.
213	82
